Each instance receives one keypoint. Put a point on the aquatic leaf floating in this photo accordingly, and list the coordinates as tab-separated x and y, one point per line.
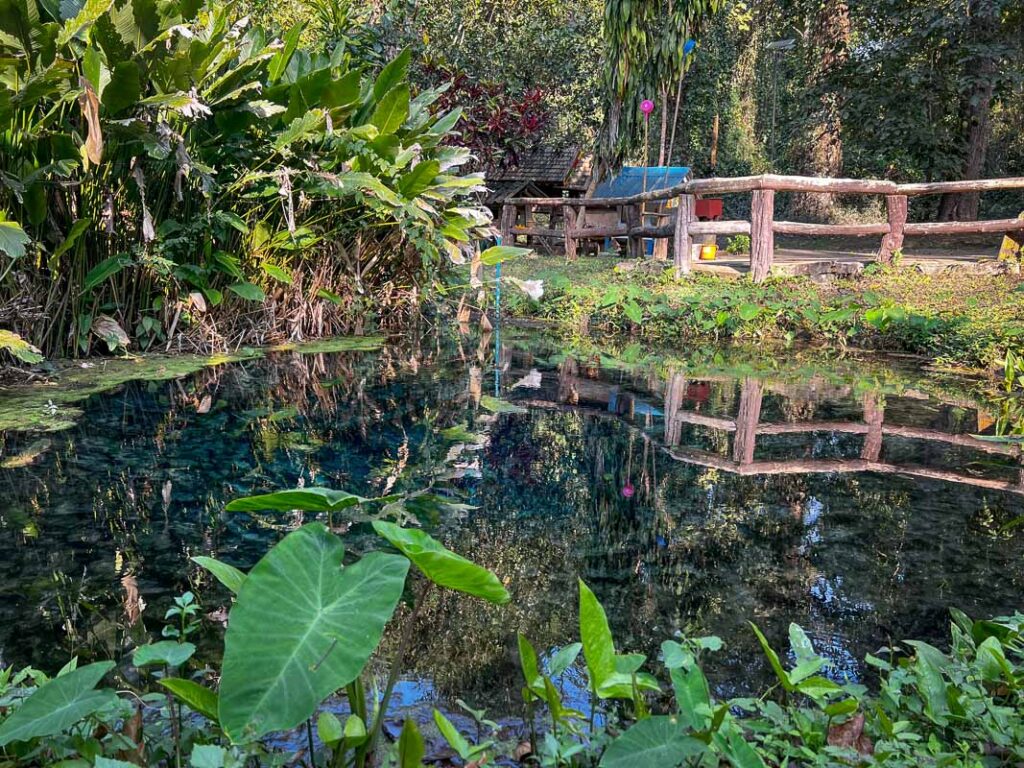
303	627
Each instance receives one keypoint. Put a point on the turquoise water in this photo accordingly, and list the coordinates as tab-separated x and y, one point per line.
692	495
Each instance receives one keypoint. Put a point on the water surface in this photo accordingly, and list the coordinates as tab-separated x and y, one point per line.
692	495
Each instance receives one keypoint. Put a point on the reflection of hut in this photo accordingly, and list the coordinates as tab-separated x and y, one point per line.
544	172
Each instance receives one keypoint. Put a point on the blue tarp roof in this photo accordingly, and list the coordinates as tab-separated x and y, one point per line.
630	180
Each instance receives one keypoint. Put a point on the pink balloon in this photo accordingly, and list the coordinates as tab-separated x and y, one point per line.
647	106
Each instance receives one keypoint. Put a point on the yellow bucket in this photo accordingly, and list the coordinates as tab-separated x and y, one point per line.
708	252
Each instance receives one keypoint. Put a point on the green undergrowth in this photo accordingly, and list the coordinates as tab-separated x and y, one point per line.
959	320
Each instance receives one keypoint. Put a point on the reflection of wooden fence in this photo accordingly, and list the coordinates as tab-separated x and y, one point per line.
747	427
518	216
572	390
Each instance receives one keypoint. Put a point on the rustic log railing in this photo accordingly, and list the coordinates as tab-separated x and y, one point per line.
761	228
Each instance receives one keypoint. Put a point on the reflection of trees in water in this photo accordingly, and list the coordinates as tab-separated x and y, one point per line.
695	549
109	515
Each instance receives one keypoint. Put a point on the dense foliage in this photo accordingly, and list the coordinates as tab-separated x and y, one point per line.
177	171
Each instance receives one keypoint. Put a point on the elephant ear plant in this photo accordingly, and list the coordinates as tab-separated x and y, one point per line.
302	628
304	624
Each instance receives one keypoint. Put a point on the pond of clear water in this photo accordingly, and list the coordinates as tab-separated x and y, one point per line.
693	494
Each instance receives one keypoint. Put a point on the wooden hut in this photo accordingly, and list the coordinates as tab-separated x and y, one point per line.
543	172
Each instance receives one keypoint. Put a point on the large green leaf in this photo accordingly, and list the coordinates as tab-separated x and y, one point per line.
248	291
199	698
392	110
167	652
306	499
279	63
441	565
13	239
392	74
228	575
656	742
419	178
612	676
85	18
496	254
58	704
303	627
104	271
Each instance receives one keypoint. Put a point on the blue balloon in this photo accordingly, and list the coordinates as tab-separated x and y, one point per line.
688	46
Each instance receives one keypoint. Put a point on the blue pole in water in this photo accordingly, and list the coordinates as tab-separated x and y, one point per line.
497	326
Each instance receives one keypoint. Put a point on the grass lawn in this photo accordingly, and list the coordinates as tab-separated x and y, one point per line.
957	318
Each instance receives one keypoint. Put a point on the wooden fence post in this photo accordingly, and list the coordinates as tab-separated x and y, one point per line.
762	236
874	417
747	419
636	242
569	215
897	206
682	242
508	220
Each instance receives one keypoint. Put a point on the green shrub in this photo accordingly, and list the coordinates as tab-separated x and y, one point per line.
175	167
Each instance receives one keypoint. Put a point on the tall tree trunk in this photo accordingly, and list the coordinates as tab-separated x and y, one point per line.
830	43
977	108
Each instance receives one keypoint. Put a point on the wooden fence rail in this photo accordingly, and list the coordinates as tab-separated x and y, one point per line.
683	225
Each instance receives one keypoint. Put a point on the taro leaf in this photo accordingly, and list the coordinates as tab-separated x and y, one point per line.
564	659
125	89
633	311
773	659
168	652
612	676
392	110
279	62
207	756
456	740
329	728
303	627
530	667
411	748
13	239
306	499
58	704
731	743
655	742
500	253
228	575
497	405
675	655
441	565
248	291
197	697
106	762
77	230
748	312
17	346
693	698
278	273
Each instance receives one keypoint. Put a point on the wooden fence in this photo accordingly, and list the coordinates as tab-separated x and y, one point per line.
518	216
